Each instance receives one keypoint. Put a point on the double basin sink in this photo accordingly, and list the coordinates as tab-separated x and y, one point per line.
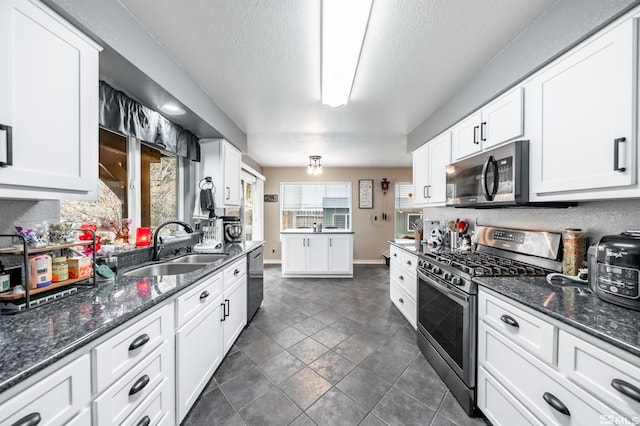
179	265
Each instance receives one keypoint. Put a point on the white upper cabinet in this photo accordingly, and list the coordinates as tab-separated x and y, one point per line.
582	119
429	171
222	161
49	102
500	121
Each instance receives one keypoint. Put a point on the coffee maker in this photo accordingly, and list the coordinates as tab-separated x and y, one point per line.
232	229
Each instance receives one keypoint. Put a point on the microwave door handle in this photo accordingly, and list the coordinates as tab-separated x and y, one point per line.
485	171
496	177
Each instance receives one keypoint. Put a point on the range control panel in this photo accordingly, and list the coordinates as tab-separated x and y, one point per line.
618	280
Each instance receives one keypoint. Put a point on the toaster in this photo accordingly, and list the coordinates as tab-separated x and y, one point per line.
617	269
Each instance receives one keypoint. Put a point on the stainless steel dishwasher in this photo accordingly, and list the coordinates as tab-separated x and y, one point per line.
255	263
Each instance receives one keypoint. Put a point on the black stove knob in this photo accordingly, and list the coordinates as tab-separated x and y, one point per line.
456	281
436	270
447	276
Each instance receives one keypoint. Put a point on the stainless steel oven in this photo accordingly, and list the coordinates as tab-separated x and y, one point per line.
447	333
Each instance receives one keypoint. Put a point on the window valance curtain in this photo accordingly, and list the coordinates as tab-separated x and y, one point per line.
122	114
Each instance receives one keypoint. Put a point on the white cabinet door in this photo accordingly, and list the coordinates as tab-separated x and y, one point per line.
503	119
235	299
421	175
583	135
294	253
49	86
232	184
54	400
341	253
222	162
317	253
429	171
198	354
466	137
439	158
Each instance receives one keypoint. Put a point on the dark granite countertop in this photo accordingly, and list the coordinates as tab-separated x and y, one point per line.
576	307
311	231
35	339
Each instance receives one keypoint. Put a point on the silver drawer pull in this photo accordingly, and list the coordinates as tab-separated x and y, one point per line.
145	421
509	320
409	262
555	403
401	277
627	389
139	342
29	420
139	385
204	295
236	272
401	300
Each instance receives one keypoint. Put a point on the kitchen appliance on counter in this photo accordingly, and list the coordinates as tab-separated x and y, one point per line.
447	297
255	283
232	229
494	178
617	269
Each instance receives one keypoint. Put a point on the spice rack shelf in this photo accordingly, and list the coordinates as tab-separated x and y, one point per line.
35	291
25	251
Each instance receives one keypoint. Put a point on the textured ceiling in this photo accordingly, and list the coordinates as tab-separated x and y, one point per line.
259	60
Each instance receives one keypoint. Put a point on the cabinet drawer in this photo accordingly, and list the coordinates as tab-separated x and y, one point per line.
529	380
120	353
409	262
595	370
533	334
82	419
395	254
118	402
499	405
197	299
57	398
235	271
155	408
404	302
408	282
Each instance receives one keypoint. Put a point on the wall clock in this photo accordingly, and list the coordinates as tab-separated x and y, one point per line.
365	194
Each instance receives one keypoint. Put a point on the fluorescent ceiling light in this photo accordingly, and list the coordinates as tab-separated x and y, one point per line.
344	25
172	109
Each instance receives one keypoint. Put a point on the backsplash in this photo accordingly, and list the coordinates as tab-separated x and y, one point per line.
598	218
21	211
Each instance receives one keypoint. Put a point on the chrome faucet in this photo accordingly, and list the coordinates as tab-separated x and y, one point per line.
158	248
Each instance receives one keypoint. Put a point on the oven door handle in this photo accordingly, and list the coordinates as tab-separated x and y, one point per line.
490	160
449	292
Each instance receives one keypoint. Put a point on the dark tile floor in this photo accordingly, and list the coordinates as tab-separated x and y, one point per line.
327	352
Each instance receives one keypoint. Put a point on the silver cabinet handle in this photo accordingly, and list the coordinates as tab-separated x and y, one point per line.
616	154
8	160
409	262
228	191
29	420
626	389
401	300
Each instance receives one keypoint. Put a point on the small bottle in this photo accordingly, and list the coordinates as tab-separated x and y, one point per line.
60	269
573	242
315	227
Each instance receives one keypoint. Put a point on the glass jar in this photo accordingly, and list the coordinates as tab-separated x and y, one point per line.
60	269
574	248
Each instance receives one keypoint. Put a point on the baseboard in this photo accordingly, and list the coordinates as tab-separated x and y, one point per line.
272	262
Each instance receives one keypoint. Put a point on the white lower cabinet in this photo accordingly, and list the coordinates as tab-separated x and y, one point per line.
157	408
544	377
317	255
403	285
54	400
235	315
115	404
198	354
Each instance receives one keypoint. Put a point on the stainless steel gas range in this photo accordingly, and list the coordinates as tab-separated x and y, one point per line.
447	292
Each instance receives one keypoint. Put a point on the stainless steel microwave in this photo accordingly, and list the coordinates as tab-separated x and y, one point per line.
499	177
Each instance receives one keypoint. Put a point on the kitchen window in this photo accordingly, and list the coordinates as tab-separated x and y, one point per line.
123	162
326	204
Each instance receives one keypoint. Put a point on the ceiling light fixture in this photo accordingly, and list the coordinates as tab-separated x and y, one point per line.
172	109
344	25
315	168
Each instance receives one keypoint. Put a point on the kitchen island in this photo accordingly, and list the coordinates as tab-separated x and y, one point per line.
84	332
306	253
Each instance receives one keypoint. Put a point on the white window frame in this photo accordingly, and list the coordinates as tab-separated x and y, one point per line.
349	184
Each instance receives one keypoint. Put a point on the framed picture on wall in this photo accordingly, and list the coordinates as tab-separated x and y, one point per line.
365	193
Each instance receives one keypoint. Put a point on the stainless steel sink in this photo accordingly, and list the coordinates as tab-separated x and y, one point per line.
164	269
199	258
